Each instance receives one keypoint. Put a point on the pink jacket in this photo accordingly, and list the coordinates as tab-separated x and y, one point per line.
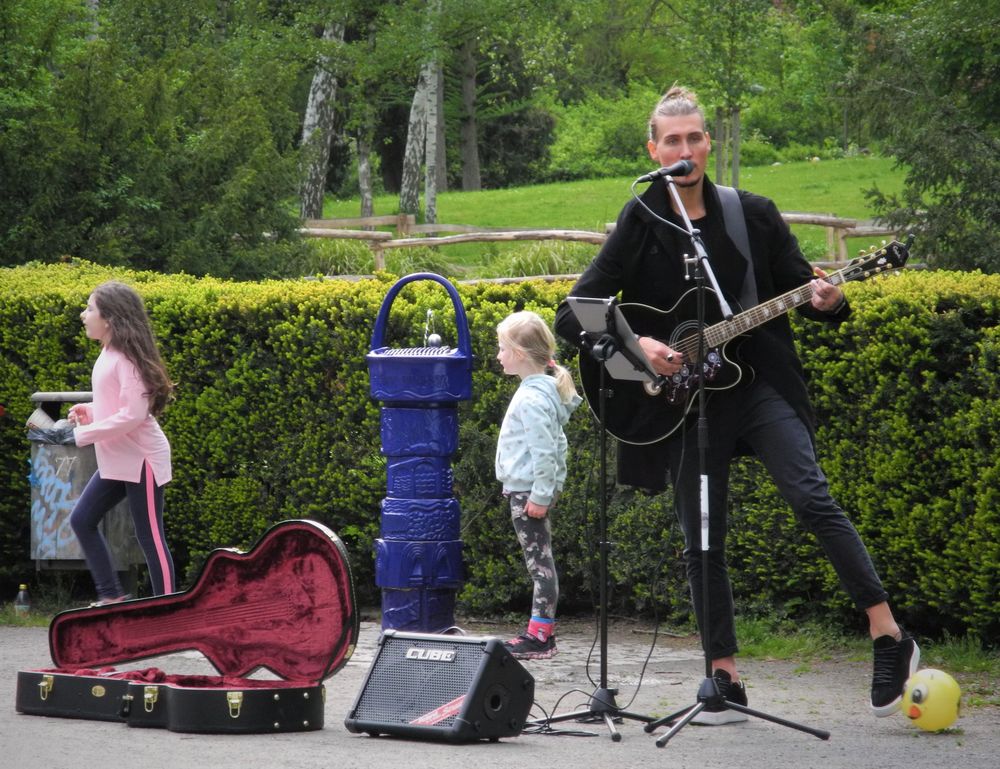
119	425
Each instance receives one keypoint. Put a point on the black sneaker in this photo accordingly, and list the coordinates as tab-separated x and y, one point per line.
527	647
714	715
895	661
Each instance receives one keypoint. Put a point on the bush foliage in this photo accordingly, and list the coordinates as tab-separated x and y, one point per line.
273	420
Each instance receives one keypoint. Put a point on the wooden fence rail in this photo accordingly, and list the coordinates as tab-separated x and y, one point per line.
838	230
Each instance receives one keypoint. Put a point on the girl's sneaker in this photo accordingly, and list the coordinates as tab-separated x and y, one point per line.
527	647
109	601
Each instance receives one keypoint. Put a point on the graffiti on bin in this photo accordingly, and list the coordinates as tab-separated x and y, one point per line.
53	475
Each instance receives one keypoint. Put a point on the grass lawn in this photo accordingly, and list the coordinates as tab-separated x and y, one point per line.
825	187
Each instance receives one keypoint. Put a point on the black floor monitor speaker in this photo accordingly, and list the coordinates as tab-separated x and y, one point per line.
442	687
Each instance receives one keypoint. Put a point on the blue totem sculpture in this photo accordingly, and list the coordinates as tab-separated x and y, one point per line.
418	557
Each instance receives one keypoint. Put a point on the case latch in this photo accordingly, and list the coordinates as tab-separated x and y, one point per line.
149	696
45	686
235	700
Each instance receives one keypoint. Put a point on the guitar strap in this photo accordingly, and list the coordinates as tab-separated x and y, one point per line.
736	228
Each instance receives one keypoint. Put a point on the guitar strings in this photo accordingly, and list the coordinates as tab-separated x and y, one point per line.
745	321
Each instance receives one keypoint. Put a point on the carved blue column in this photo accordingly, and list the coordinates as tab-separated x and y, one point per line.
418	555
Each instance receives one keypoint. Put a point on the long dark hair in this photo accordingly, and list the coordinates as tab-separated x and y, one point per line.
131	333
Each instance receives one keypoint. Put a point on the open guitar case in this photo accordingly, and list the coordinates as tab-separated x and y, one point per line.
287	606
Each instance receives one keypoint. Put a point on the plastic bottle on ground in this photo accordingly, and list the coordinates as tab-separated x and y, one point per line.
22	603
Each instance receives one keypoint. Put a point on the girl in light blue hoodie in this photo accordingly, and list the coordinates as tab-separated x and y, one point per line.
531	463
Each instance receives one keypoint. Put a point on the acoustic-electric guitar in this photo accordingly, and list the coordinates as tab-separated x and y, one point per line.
639	413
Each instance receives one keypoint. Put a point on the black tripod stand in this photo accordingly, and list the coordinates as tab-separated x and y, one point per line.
614	342
709	695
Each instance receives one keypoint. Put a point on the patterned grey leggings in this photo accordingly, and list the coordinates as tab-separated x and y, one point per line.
535	537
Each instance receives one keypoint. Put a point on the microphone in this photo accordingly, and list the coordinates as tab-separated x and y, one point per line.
680	168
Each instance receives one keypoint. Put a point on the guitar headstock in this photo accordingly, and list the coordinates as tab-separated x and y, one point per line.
878	259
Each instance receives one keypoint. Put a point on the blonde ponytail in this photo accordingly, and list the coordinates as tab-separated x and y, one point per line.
564	383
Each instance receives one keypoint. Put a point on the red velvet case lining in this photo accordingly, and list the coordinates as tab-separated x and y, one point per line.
286	605
158	676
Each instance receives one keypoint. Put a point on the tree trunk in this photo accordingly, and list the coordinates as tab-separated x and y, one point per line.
433	76
365	140
317	131
365	173
94	11
847	135
471	176
442	155
720	146
409	189
735	138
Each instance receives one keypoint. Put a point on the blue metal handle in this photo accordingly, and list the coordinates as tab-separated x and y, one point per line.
461	322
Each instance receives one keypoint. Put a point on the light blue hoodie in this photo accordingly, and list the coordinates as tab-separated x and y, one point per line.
531	449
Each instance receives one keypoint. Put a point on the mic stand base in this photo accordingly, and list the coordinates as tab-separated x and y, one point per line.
603	707
710	697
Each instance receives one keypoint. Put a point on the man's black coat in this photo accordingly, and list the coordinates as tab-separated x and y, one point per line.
642	260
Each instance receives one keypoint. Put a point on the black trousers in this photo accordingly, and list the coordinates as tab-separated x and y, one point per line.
758	416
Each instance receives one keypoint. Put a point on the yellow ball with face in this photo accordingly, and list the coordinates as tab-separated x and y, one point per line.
931	699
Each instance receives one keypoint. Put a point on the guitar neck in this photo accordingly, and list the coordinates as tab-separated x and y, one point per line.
721	332
889	257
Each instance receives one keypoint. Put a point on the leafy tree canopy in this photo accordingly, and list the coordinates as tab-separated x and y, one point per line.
930	84
164	134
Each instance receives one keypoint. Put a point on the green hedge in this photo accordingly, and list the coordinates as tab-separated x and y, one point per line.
273	420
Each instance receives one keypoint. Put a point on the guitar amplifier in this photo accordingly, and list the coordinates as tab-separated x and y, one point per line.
444	687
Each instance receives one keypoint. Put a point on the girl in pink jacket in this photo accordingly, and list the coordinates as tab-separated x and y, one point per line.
131	387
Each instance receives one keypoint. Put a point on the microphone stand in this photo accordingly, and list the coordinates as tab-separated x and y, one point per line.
708	692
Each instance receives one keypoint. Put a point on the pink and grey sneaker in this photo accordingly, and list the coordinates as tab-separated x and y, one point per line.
528	647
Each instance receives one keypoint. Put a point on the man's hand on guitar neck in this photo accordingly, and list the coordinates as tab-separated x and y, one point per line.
665	360
826	296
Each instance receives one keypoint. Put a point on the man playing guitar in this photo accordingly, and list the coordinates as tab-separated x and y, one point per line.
763	409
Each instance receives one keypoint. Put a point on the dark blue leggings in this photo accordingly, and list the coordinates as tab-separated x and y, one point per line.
145	502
